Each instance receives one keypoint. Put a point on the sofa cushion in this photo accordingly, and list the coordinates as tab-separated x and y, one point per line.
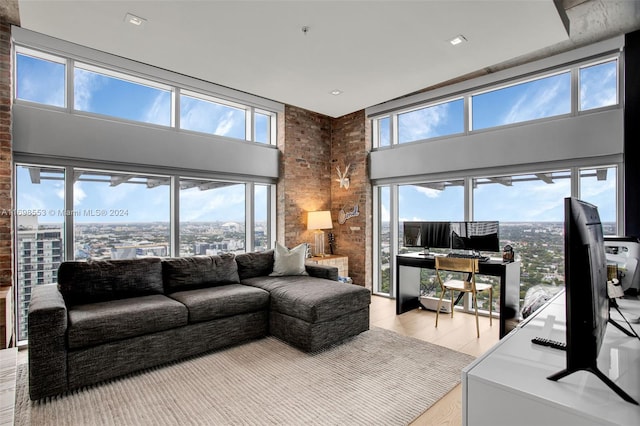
255	264
270	283
223	301
312	299
95	323
289	261
102	280
187	273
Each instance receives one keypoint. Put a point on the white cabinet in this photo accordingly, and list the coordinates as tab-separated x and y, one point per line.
508	385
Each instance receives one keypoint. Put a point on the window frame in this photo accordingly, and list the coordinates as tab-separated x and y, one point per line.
37	54
67	232
71	55
394	221
467	90
396	119
248	117
519	82
619	84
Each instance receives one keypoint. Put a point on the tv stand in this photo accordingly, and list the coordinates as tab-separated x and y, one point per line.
594	369
514	372
621	328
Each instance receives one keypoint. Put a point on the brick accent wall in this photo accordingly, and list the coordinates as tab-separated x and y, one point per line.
6	169
305	176
312	145
350	146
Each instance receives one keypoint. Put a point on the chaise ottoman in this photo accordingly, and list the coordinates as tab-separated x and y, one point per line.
312	314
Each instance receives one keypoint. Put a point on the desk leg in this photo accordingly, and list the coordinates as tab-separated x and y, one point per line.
408	294
509	296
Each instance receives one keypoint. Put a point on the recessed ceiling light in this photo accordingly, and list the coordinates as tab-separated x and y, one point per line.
457	40
134	20
336	92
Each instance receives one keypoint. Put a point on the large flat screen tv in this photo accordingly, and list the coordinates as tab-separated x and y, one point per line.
427	235
587	302
475	236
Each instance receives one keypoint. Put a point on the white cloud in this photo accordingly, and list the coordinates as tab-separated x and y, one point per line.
85	83
429	192
226	124
423	123
543	99
216	204
602	79
78	194
49	92
159	111
209	117
31	201
384	213
524	201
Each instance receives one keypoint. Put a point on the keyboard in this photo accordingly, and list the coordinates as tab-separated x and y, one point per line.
469	256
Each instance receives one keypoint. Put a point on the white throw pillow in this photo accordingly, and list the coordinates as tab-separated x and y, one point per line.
289	262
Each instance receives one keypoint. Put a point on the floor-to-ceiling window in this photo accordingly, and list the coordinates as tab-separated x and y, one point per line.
383	246
120	215
262	213
456	142
126	215
181	181
530	210
39	232
429	201
212	217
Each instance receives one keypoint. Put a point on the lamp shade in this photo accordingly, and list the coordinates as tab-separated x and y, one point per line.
319	220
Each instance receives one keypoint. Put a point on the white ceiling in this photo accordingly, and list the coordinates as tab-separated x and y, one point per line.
372	51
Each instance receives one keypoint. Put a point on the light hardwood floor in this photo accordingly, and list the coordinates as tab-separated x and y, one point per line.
457	333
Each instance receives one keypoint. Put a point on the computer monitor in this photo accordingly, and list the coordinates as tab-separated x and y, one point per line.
475	236
427	235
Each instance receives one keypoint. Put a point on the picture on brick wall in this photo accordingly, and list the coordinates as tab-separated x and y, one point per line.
347	213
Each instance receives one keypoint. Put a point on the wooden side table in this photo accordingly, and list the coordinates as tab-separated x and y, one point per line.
339	261
6	317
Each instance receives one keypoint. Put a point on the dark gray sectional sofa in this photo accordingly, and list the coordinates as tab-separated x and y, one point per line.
105	319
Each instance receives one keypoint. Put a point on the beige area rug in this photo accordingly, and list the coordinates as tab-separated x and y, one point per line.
378	377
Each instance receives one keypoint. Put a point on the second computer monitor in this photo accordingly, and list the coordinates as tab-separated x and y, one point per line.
475	236
427	235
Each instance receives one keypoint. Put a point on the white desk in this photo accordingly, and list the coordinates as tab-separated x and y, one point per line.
508	385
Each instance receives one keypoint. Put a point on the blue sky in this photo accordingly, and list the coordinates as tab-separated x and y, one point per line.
43	82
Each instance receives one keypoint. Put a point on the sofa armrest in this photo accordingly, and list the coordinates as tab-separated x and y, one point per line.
47	324
322	271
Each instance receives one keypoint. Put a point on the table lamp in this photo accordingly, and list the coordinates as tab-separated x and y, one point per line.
317	221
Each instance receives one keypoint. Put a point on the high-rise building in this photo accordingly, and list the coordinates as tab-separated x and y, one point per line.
39	252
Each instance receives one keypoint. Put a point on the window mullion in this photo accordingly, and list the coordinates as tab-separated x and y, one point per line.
70	85
393	238
175	107
250	125
468	115
174	216
249	221
68	231
575	91
393	129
